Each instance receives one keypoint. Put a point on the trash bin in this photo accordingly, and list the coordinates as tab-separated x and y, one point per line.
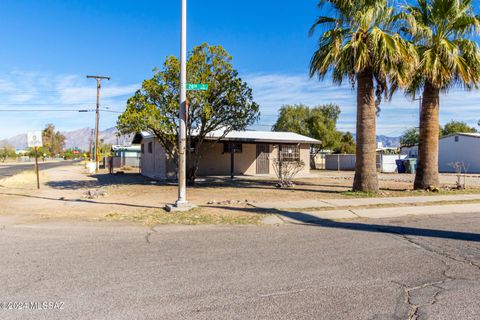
410	165
400	166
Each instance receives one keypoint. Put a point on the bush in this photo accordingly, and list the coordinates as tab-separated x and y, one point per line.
286	170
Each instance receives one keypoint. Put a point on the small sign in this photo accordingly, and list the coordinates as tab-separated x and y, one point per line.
75	151
197	86
34	139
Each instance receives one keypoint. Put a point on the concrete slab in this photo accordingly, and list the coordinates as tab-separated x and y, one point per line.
180	208
272	220
332	203
374	213
299	204
417	211
309	217
359	202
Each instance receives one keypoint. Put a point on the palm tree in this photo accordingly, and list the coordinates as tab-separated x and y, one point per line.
442	31
359	44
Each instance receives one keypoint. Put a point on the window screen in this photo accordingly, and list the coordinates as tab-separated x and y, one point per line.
289	152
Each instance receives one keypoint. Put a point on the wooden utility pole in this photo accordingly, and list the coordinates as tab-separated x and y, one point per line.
36	167
97	118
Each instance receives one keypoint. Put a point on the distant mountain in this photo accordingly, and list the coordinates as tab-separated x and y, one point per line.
389	142
19	141
80	138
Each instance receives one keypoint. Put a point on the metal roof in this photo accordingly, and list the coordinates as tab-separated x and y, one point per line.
473	135
256	136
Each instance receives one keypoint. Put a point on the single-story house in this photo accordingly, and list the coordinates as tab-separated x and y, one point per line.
238	153
459	147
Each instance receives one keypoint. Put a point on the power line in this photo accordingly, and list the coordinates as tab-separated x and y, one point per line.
57	110
41	104
37	110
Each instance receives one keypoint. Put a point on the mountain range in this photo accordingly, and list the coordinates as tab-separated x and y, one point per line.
81	139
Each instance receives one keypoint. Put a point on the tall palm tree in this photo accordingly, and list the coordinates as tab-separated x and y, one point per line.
359	44
448	56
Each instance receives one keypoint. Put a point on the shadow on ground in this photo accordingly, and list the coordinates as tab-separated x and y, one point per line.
104	180
101	180
82	201
309	220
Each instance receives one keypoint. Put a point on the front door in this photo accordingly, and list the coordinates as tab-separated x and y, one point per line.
263	159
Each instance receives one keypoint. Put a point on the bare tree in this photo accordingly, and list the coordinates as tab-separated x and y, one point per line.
286	170
461	171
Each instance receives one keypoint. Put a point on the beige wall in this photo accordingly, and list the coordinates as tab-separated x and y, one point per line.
215	162
156	165
304	156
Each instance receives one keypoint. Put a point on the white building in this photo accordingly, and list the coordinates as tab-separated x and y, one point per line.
460	147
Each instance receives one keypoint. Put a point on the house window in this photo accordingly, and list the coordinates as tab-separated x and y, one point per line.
142	148
150	147
227	147
289	152
457	138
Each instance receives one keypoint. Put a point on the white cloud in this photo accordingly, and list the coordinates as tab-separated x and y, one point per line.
30	90
272	91
27	90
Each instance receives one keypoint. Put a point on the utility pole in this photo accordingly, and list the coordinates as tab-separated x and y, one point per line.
182	204
182	137
97	118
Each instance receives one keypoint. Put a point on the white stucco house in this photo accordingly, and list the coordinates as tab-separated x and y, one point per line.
238	153
460	147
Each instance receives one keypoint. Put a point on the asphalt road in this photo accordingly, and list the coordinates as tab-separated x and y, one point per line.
10	170
402	268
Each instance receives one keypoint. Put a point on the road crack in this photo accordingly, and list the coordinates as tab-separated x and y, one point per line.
440	256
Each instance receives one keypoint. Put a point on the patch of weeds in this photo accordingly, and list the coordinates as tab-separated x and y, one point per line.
194	217
360	194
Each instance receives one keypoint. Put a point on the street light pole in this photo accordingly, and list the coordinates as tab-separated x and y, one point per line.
182	134
97	118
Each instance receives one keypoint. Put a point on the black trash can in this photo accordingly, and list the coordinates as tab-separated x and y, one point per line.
400	166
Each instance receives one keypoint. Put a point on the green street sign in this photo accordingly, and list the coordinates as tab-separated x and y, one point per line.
197	86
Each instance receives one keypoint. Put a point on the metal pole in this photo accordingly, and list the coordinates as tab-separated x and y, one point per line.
97	123
232	160
36	168
182	134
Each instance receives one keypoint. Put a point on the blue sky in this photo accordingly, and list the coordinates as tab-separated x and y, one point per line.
49	46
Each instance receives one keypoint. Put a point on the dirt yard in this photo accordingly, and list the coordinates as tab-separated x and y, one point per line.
68	192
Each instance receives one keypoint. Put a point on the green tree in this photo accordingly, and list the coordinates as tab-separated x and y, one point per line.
442	31
318	122
7	152
346	145
359	43
457	127
53	141
409	137
227	105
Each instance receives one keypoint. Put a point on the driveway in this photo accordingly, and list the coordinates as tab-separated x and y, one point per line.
403	268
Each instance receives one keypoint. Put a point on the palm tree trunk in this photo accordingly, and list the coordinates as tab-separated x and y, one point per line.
366	179
427	167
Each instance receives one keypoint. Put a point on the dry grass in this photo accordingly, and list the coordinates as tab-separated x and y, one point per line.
23	179
193	217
